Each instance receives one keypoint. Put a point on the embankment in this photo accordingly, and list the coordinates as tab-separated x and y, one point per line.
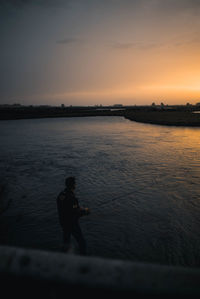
42	274
169	118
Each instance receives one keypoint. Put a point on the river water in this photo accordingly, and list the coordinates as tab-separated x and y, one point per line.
140	181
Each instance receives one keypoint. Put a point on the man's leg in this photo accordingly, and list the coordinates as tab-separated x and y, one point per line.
77	233
66	239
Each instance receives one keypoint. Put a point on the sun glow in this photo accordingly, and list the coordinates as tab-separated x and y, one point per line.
133	94
131	52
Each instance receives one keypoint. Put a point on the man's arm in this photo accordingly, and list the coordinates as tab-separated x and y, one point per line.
80	211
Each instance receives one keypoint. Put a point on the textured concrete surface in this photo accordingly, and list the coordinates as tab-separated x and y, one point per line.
34	273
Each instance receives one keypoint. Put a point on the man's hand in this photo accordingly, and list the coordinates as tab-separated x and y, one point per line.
85	211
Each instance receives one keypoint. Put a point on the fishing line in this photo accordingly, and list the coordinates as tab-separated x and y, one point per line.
103	204
118	197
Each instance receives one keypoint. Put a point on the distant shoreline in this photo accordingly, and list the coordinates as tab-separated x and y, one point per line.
55	112
174	117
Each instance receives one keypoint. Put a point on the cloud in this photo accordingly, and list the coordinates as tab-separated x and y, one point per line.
171	7
166	6
158	6
68	40
16	3
135	45
188	42
179	42
179	5
43	3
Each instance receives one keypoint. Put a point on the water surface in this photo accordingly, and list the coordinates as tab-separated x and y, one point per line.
141	182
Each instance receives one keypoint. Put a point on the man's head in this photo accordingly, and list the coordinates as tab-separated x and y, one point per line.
70	183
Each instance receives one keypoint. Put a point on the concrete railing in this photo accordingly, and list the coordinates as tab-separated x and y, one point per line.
35	273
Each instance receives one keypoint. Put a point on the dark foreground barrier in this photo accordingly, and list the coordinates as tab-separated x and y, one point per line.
33	273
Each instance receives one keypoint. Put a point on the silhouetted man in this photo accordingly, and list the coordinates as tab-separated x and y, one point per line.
69	213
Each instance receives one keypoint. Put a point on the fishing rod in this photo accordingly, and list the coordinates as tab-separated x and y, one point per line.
118	197
96	213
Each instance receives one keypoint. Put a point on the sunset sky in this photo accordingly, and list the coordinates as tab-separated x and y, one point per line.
88	52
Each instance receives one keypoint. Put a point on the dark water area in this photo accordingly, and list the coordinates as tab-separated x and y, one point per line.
140	181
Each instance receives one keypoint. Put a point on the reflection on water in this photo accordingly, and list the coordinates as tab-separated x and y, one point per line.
141	182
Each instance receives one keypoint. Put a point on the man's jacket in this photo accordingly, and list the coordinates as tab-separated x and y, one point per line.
69	210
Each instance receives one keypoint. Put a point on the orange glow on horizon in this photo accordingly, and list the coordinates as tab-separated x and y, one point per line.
106	52
169	94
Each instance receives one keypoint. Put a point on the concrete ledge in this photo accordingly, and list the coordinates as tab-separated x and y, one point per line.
32	273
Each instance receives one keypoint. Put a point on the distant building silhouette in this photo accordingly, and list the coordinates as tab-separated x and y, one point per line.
117	105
